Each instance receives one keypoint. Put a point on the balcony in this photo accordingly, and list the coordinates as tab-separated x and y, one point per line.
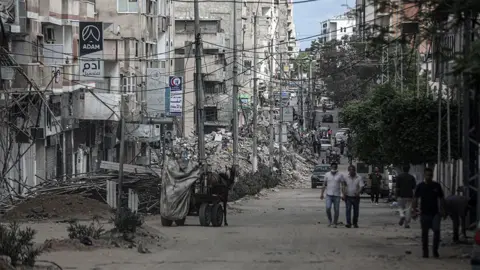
218	76
99	106
142	133
60	12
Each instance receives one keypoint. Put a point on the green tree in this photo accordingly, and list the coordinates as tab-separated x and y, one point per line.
347	69
390	127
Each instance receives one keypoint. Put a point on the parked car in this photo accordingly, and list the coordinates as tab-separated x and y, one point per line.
327	118
318	174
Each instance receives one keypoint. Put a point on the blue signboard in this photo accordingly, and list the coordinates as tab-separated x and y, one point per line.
176	84
285	94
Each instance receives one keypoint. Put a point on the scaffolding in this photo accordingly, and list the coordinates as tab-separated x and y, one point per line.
22	112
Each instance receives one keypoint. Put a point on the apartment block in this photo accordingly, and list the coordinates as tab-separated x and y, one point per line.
65	123
338	28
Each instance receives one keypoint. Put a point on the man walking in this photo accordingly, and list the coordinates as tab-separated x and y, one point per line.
432	209
404	190
352	187
376	182
333	184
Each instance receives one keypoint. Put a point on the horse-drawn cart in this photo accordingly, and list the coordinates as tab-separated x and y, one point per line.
191	192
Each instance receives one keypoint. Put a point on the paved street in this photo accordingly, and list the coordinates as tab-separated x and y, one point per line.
286	229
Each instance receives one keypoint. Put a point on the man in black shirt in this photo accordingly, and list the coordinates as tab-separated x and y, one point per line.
431	210
404	189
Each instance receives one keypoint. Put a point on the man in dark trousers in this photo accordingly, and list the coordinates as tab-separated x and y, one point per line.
352	187
404	190
375	185
432	209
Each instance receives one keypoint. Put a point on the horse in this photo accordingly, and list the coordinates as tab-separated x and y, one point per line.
220	185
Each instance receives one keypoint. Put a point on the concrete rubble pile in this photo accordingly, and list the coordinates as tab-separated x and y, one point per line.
295	168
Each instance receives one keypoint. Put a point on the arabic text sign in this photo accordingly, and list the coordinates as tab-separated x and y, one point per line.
91	51
176	103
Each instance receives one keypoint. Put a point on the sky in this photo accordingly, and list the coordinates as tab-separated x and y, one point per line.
307	16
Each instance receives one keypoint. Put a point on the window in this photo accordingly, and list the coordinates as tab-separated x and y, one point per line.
212	87
152	7
129	83
247	67
162	64
325	25
127	6
211	114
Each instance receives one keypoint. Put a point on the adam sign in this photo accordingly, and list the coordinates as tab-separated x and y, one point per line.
91	51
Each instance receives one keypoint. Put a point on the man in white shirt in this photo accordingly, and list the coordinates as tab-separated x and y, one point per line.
352	187
333	184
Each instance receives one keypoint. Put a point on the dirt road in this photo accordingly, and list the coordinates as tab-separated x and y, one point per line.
284	230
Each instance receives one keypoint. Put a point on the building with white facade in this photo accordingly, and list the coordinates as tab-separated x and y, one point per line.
337	28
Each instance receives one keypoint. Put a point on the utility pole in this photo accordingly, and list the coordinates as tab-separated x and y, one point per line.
121	158
199	87
309	94
439	127
255	98
280	129
235	87
300	76
272	101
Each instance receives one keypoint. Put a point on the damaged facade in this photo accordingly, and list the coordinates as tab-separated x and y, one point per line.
59	125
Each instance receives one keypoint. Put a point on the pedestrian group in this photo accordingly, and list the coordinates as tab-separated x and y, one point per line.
433	207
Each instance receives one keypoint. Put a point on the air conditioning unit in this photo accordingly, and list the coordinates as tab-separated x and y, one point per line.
49	34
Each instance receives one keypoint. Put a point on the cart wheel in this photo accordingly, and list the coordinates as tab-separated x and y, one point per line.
180	222
217	215
205	214
166	222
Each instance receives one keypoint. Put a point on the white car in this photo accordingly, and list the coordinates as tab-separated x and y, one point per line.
325	144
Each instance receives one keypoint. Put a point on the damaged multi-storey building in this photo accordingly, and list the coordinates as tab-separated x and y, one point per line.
274	26
57	122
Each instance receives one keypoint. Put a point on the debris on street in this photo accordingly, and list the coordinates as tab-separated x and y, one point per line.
58	207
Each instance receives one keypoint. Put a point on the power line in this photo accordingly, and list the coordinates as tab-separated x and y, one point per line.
147	58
